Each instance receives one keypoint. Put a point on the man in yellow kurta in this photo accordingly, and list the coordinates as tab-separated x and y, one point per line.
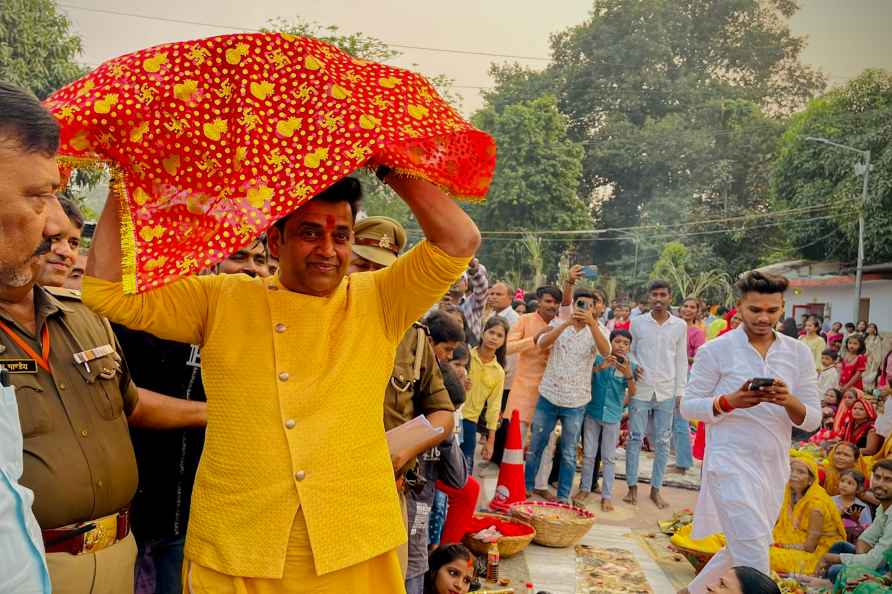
295	492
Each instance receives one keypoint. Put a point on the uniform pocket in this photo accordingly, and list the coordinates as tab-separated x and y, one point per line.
34	413
102	381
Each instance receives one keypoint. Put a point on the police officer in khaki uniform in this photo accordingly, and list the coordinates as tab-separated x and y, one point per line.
75	399
416	385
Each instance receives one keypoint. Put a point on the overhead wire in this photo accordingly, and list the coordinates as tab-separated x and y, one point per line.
483	53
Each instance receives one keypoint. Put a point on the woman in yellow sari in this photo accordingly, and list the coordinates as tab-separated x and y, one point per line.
809	524
844	456
809	521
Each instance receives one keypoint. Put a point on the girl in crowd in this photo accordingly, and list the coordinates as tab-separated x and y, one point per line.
842	458
460	362
835	333
487	375
520	306
855	513
848	399
451	571
861	328
620	320
873	344
829	405
809	522
744	580
814	342
733	319
853	363
858	426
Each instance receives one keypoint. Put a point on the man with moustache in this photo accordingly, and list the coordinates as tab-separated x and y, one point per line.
29	178
291	366
74	392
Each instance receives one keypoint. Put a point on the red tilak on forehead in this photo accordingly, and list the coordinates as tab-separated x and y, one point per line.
329	223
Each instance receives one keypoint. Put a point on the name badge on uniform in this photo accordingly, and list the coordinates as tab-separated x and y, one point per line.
19	365
84	357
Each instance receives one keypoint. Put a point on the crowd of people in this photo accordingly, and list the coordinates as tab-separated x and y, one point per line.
214	431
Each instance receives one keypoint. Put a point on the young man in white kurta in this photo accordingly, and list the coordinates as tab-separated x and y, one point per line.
747	461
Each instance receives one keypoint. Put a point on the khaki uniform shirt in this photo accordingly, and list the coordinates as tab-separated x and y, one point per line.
78	458
409	395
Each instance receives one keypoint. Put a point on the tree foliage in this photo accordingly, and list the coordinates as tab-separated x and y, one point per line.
37	49
810	174
678	105
537	172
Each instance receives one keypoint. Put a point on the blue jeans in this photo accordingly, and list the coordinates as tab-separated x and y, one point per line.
165	558
469	442
603	436
639	410
544	420
681	439
839	548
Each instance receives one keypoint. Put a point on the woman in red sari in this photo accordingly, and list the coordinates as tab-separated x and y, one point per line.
858	426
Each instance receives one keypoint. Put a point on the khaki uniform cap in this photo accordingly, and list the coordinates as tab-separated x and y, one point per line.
379	240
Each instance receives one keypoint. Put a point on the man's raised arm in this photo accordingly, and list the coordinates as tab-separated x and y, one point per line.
443	221
104	259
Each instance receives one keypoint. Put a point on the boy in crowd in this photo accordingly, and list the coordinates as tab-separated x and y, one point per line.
828	375
613	384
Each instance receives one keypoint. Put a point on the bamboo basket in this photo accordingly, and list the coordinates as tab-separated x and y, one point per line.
508	545
557	524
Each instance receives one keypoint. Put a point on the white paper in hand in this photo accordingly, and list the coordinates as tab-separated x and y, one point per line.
411	433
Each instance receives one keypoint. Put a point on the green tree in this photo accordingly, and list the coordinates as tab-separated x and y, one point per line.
37	49
671	100
809	174
537	174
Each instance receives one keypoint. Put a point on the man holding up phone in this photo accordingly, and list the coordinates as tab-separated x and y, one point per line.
750	386
566	386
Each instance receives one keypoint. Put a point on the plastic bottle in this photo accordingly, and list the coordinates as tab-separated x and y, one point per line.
492	563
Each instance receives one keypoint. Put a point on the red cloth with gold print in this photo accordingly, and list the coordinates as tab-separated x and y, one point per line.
211	141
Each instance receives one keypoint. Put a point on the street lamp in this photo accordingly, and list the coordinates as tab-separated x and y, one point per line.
860	169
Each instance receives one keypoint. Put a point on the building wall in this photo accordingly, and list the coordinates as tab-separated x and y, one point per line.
841	301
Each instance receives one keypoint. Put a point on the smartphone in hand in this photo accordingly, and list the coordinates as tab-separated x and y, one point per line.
760	382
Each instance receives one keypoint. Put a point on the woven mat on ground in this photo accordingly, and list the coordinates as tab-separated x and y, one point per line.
609	571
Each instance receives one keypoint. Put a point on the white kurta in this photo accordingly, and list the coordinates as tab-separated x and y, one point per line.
747	463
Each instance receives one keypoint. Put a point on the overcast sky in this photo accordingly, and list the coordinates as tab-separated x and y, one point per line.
845	36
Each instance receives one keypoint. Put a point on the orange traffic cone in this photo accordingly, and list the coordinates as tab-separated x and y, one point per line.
511	487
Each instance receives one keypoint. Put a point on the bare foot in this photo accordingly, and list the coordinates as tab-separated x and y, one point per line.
678	470
544	494
606	506
657	499
632	496
580	498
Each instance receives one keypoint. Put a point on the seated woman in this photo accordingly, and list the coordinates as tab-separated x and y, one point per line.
809	522
451	571
858	426
843	457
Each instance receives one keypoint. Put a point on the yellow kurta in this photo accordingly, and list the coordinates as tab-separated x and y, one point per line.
487	385
295	389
